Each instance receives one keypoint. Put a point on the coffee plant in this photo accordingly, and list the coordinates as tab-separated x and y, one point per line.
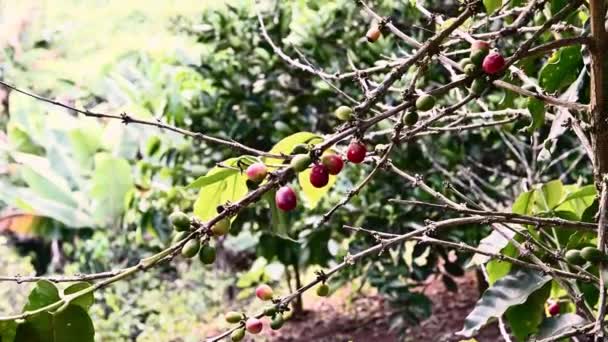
504	101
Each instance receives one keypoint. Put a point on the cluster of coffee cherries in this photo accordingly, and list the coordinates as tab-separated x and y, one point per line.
327	164
277	313
580	257
183	226
490	62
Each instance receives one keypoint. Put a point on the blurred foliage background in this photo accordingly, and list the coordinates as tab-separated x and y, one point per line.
80	195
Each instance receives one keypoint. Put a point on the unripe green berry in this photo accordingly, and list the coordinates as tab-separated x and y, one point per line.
470	69
574	257
221	227
207	254
410	118
300	162
270	311
592	254
237	335
180	221
425	102
191	248
300	149
464	62
343	113
233	316
478	56
323	290
179	236
277	322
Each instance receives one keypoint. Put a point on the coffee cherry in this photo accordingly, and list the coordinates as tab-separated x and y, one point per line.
254	325
373	34
277	322
470	69
554	308
425	102
179	237
480	45
478	86
191	248
264	292
256	172
410	118
270	311
592	254
233	316
464	62
333	163
493	63
237	335
356	152
207	254
319	177
343	113
180	221
574	257
323	290
221	227
300	162
286	198
300	149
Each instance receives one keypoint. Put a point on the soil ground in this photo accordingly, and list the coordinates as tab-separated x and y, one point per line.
338	319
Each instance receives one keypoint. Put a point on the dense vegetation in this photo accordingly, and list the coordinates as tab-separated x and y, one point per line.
310	145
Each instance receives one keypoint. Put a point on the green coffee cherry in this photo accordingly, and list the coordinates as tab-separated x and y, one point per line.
410	118
574	257
323	290
270	311
464	62
343	113
222	227
470	69
478	56
180	221
277	322
425	103
300	149
191	248
592	254
207	254
478	86
237	335
233	316
300	162
179	237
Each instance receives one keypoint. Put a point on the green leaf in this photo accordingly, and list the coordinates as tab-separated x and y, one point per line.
561	69
559	324
43	294
209	179
278	217
230	188
492	5
549	195
514	289
537	111
525	318
492	243
111	182
85	301
70	324
8	330
523	205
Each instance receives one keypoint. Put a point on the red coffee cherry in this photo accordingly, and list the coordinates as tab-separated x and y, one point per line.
554	308
493	63
286	198
254	325
319	177
356	152
373	34
256	172
264	292
333	163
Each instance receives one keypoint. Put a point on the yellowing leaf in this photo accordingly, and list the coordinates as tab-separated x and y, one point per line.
287	144
311	194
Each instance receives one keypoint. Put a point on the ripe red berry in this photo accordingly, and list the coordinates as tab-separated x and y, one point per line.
256	172
286	198
356	152
319	177
373	34
333	163
493	63
554	308
264	292
254	325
